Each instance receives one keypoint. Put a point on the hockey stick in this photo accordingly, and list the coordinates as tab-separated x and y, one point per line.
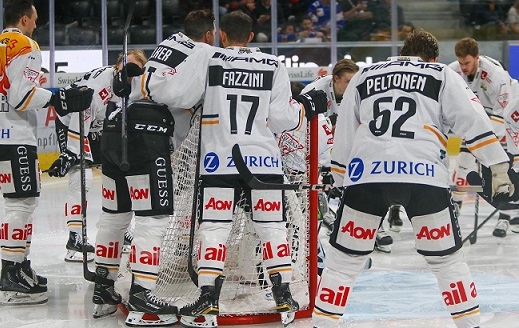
255	183
476	229
474	233
87	274
194	210
125	166
87	166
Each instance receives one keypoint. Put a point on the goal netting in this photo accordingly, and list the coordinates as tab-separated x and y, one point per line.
246	293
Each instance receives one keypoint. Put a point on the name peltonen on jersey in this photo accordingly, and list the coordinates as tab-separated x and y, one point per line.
402	81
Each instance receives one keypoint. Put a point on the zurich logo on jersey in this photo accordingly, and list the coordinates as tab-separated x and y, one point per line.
211	162
355	169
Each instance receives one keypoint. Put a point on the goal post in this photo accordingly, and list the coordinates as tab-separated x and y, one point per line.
246	296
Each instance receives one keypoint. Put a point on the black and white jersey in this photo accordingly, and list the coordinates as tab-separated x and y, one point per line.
491	84
394	121
162	83
325	83
246	100
511	116
100	80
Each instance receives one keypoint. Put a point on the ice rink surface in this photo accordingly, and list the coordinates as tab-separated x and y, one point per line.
398	291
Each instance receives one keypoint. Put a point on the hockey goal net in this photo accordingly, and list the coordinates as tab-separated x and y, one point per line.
246	293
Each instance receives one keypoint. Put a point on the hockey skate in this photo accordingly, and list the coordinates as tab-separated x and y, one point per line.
127	244
75	248
285	304
105	298
146	309
26	268
17	288
383	241
503	222
395	222
206	307
514	225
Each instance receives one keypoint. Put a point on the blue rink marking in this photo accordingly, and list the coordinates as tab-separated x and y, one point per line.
409	295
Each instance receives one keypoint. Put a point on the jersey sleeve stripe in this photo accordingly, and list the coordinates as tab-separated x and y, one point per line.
440	136
26	100
480	137
497	119
482	144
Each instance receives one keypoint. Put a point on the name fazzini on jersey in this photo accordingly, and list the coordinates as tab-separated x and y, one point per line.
240	78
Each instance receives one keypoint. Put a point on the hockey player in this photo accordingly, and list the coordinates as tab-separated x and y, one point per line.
511	116
146	188
21	97
67	129
393	138
491	84
334	86
246	98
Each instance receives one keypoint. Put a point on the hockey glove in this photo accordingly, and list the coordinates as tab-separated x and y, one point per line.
62	165
122	87
314	102
493	179
71	99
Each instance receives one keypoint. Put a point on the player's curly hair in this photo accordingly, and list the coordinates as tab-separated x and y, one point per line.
422	44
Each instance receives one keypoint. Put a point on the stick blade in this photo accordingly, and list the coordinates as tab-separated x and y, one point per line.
251	180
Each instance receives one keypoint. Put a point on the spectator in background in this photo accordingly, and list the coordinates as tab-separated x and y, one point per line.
294	9
513	20
488	20
382	21
359	21
307	29
263	31
288	33
320	13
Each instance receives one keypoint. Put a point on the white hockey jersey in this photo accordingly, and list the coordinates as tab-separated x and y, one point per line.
511	116
293	146
162	83
21	96
394	121
325	83
491	84
101	81
246	100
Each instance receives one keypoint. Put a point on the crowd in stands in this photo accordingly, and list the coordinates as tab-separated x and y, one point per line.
78	22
